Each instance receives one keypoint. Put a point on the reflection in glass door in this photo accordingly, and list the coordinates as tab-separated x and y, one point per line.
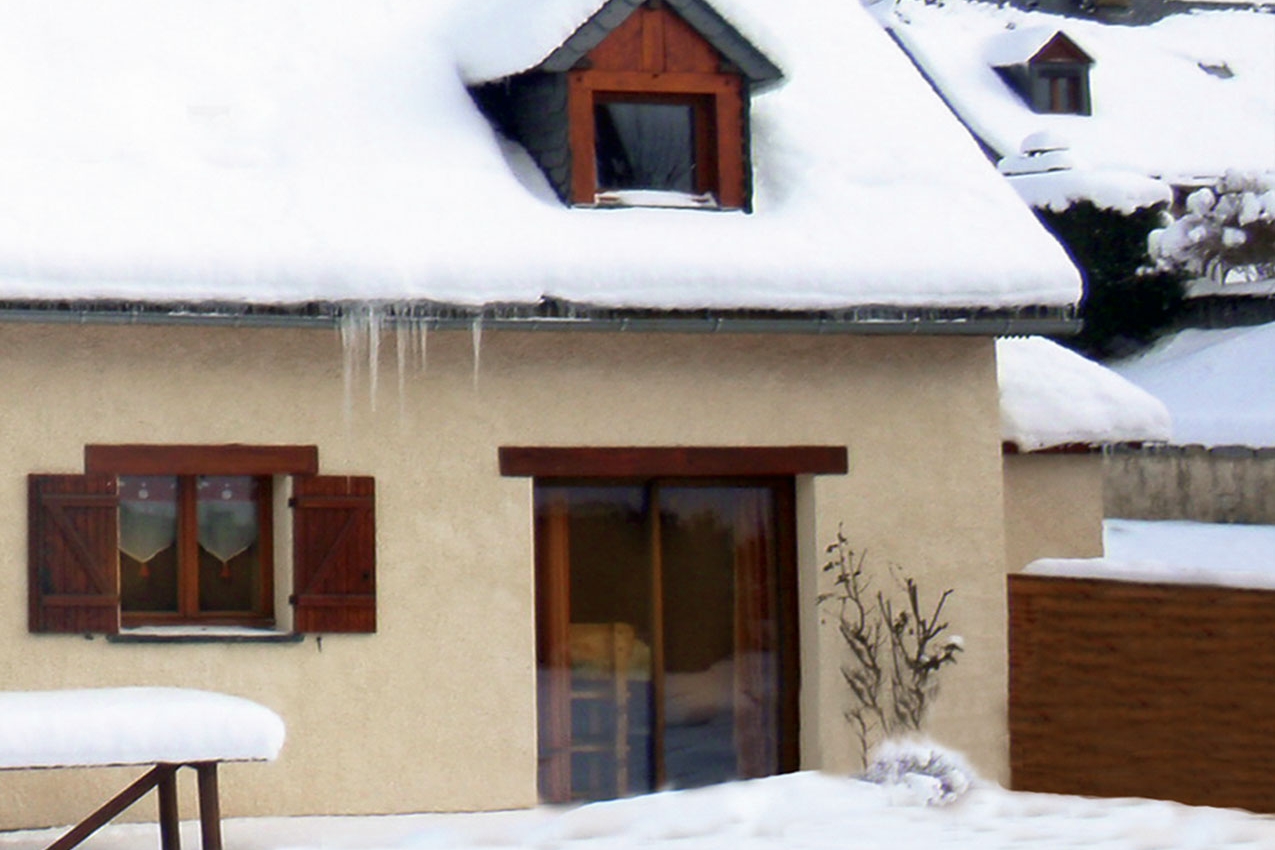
666	636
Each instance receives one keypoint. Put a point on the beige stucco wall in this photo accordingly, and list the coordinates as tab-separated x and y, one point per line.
436	710
1053	507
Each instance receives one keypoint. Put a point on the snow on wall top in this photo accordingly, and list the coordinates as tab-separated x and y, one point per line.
303	150
1051	396
122	726
1219	385
1156	110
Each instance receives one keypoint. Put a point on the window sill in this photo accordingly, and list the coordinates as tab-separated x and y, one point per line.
203	634
622	198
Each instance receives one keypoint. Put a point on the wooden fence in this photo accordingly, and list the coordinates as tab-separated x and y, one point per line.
1150	690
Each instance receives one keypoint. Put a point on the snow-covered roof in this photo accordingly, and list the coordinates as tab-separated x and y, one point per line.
327	150
1219	385
1050	396
124	726
1020	45
1175	552
1105	188
1156	109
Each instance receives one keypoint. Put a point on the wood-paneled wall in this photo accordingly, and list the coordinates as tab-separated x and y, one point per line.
1150	690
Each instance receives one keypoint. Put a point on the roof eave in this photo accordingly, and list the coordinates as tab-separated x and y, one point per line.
550	315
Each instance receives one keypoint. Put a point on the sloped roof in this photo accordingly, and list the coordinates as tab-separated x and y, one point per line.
1051	396
303	151
1217	384
701	16
1019	46
1157	110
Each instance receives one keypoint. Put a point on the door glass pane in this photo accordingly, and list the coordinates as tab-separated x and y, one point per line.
148	543
720	634
646	146
229	555
658	628
595	714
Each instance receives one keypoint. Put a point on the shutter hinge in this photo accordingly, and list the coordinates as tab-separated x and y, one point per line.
292	599
292	501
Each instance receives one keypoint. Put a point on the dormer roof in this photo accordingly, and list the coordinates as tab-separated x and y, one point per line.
1036	44
705	20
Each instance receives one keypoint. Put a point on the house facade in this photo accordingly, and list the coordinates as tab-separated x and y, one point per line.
343	407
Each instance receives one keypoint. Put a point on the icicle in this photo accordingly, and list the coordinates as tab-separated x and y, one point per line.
349	362
373	351
402	343
476	330
422	335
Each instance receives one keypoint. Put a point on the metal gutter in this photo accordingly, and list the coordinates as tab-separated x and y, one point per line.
554	316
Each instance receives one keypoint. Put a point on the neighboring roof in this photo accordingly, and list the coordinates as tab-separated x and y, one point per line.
703	18
1219	385
1052	397
303	151
1020	46
1156	109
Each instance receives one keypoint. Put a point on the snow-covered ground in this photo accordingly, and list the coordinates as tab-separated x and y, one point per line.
796	812
1219	385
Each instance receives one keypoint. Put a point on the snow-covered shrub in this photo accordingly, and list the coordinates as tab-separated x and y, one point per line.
895	650
1227	231
931	775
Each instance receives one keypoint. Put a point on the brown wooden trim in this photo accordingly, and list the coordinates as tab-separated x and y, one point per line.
788	615
1011	448
187	548
659	724
671	462
584	165
233	459
673	82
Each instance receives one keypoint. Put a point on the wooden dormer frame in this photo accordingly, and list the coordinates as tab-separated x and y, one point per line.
679	52
656	55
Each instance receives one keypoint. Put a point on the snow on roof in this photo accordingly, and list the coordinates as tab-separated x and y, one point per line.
1051	396
1156	110
1219	385
122	726
1175	552
1017	46
327	150
1105	188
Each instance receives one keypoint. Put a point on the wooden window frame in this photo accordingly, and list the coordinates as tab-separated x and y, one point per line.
187	463
188	606
73	556
719	142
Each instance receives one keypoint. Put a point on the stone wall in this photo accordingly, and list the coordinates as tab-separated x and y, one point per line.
1221	484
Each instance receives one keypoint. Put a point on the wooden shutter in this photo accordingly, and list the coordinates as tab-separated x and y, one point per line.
334	554
73	560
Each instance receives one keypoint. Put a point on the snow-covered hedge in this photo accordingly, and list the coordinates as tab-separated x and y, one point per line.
1226	233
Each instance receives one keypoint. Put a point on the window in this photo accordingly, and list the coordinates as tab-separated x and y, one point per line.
666	613
195	548
645	104
634	138
185	535
1064	93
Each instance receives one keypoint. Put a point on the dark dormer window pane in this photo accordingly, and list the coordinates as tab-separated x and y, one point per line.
646	146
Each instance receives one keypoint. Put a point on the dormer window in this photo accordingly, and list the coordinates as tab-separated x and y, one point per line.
645	105
1047	69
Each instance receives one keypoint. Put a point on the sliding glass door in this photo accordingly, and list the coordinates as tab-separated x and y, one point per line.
667	649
